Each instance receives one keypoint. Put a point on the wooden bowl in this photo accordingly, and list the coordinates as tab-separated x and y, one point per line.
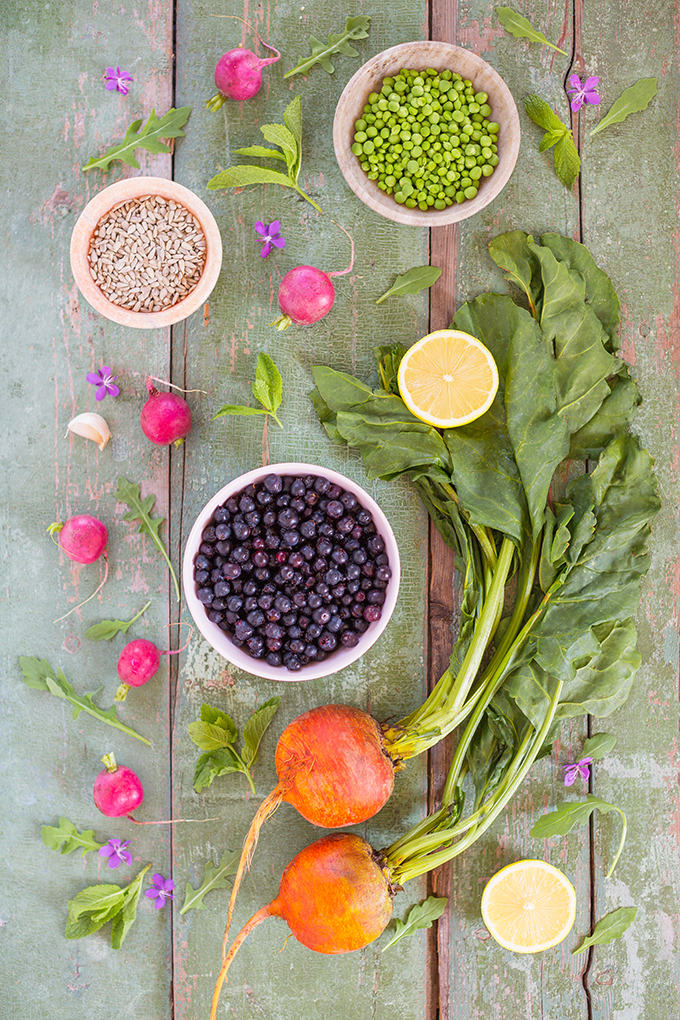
422	55
112	197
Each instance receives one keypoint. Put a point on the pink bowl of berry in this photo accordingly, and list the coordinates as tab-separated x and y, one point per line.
291	571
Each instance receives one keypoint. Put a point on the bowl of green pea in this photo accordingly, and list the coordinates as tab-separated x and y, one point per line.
426	133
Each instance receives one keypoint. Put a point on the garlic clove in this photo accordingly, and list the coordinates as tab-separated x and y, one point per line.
91	426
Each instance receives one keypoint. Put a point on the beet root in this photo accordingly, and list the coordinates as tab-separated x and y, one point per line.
334	896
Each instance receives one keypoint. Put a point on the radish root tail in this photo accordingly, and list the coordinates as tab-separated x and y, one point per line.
262	914
266	809
97	589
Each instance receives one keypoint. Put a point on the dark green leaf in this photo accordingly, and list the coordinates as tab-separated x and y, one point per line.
216	763
149	137
563	819
238	409
543	114
107	629
608	928
268	382
215	729
261	152
413	281
594	284
635	98
129	493
355	28
512	252
127	916
388	358
213	878
243	175
567	160
422	915
255	729
518	26
65	838
599	746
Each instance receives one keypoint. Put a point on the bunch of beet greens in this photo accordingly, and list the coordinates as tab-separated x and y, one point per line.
550	584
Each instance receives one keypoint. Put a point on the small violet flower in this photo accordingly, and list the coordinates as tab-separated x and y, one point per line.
117	79
583	93
116	852
162	890
579	768
104	381
270	236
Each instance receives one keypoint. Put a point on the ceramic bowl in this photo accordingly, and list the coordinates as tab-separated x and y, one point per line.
421	55
222	643
112	197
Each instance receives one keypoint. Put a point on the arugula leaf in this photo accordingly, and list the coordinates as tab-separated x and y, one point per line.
214	878
563	819
288	136
39	675
598	746
420	916
129	493
65	838
608	928
635	98
216	734
355	28
92	907
147	138
518	26
417	279
267	388
567	159
107	629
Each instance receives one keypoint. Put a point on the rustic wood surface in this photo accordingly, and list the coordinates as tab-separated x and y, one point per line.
56	114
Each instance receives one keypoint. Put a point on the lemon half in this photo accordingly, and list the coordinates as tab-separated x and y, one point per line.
529	906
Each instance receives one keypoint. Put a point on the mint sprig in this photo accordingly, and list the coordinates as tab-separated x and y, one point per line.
129	493
566	157
216	734
267	388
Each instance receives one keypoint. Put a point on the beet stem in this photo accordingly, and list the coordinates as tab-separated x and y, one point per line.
342	272
262	914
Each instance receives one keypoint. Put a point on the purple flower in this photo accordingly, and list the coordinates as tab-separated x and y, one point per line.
579	768
104	381
116	852
162	890
117	80
270	236
583	93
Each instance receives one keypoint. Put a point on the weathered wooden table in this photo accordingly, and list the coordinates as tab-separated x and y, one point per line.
56	114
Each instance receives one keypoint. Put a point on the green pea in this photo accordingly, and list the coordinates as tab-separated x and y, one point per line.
487	170
374	97
444	84
418	89
439	204
410	203
476	173
449	191
368	147
382	185
412	166
399	197
382	104
460	197
493	128
493	160
392	106
390	181
373	175
357	149
473	108
485	109
447	75
360	124
470	192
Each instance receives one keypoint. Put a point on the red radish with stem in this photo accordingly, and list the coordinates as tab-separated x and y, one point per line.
165	417
333	767
238	74
118	791
139	662
307	294
335	896
83	538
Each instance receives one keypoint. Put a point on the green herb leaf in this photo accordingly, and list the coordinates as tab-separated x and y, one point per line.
338	42
238	409
39	675
129	493
92	907
127	915
147	138
220	762
420	916
215	729
255	729
417	279
551	138
518	26
635	98
542	114
288	136
65	838
107	629
567	160
608	928
599	746
213	878
566	816
267	388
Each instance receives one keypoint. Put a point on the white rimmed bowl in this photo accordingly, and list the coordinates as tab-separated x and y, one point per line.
421	55
221	642
112	197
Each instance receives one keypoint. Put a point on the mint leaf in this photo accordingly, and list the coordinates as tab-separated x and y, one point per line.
267	388
147	138
107	629
567	160
216	734
255	729
219	762
417	279
39	675
518	26
551	138
243	175
635	98
261	152
237	409
543	114
65	838
129	493
610	927
213	878
420	916
338	42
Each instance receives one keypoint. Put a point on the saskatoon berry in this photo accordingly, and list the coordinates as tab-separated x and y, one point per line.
205	595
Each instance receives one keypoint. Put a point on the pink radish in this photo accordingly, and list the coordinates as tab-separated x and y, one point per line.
83	538
307	294
117	789
238	74
165	417
139	662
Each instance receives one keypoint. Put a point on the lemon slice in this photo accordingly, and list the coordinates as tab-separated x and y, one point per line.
448	378
529	906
